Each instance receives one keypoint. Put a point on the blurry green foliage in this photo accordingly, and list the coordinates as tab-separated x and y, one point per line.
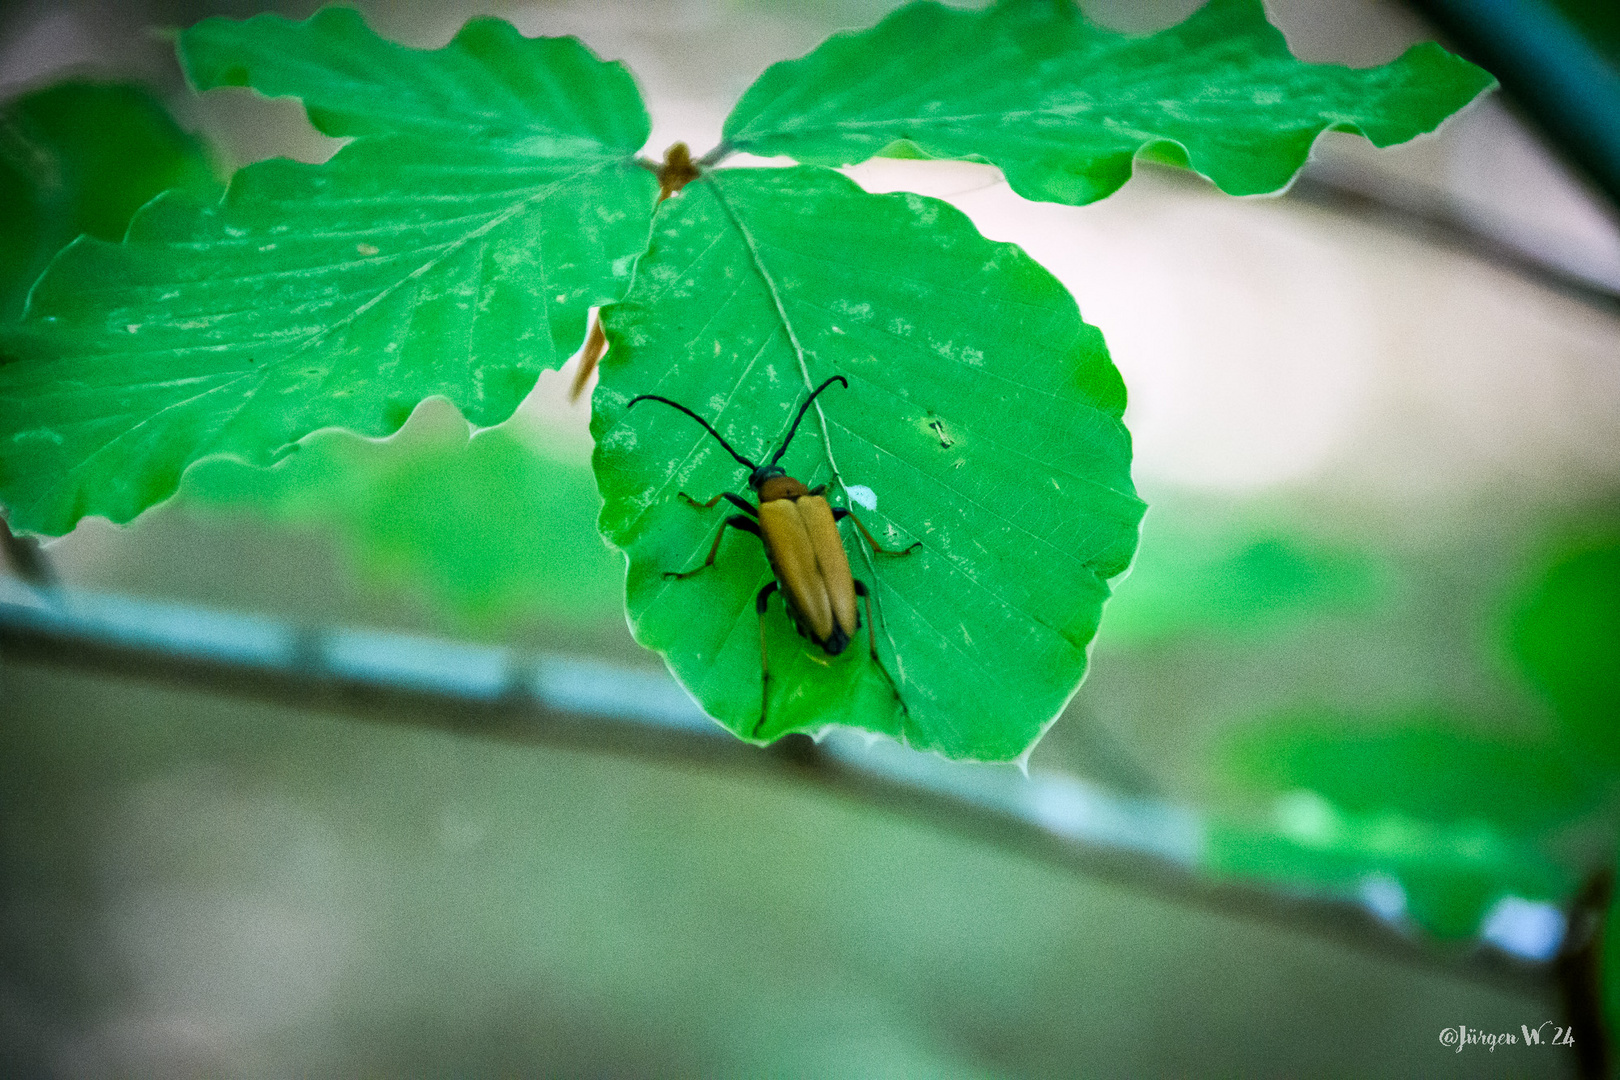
1566	636
1202	570
1456	815
1450	874
80	158
1460	813
320	897
1431	767
496	528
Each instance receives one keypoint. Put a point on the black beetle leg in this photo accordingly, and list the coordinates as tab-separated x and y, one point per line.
735	521
735	499
764	658
839	514
871	639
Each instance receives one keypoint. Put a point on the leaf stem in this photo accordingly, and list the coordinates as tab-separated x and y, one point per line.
714	157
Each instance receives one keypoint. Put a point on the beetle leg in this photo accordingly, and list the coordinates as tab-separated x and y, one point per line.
735	499
735	521
840	514
764	659
871	638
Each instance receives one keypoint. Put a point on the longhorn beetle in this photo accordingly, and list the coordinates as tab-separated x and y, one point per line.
799	529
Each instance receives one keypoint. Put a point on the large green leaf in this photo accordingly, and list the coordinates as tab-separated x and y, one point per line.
454	248
982	414
544	95
81	158
1063	106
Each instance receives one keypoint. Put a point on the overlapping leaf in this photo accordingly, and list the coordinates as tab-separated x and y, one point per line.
80	158
489	81
982	413
454	248
1063	106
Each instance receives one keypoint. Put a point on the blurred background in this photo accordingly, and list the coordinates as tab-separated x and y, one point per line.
350	766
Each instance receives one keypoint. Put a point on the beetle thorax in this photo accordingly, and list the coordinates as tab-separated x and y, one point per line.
780	487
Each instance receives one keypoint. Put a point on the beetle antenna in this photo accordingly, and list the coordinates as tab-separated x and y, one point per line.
677	405
783	449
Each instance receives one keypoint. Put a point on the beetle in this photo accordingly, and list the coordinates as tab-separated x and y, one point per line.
799	529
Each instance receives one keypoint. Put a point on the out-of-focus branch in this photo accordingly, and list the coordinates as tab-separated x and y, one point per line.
1142	845
1578	970
1544	63
1411	213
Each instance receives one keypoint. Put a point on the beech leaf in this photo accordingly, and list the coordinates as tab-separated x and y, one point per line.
982	417
454	248
1063	106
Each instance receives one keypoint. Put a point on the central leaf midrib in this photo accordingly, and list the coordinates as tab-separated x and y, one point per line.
786	323
757	262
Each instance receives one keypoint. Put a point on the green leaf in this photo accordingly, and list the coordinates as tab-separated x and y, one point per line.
1063	106
81	158
981	412
489	82
453	249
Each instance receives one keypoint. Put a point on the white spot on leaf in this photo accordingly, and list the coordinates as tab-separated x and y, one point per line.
862	495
